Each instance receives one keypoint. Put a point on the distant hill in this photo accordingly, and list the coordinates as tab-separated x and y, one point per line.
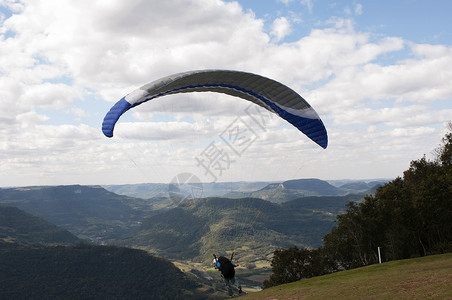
92	272
357	185
293	189
277	192
140	190
17	226
210	189
329	204
83	210
361	186
314	185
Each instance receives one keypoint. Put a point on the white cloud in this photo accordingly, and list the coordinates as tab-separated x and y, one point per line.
29	119
64	53
13	5
281	28
415	80
358	9
398	116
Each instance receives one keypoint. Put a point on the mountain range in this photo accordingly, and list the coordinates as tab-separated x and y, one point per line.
273	191
253	220
97	215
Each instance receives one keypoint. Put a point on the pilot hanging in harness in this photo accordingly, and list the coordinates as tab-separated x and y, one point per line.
226	267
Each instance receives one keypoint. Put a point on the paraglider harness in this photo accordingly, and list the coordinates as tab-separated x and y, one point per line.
225	266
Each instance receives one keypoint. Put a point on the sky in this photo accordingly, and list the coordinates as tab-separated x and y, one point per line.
378	73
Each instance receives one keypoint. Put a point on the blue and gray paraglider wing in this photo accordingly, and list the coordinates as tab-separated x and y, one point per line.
260	90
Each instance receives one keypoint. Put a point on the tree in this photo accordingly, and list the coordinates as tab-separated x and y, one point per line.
345	241
294	264
444	151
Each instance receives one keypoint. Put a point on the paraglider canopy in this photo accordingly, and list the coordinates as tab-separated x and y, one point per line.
268	93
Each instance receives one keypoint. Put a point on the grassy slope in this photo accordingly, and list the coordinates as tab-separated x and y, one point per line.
420	278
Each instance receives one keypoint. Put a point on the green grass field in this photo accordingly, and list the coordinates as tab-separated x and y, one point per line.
420	278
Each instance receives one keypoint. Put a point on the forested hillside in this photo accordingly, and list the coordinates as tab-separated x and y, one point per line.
89	212
407	217
91	272
33	266
17	226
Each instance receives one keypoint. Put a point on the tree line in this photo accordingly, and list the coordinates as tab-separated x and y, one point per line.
408	217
